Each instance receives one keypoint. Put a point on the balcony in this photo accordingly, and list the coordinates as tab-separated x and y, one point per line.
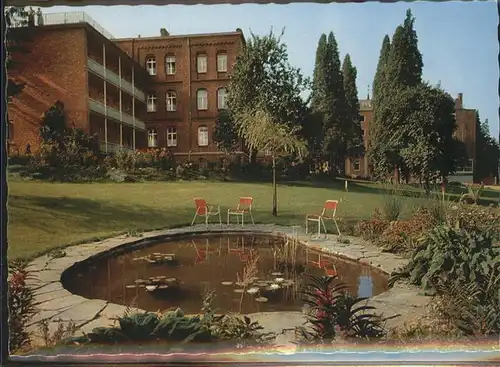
113	147
114	79
75	17
114	114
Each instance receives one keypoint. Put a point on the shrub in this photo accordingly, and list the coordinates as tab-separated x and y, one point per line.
447	255
393	203
401	236
474	192
334	312
476	218
21	305
373	228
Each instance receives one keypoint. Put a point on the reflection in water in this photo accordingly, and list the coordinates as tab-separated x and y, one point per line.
248	273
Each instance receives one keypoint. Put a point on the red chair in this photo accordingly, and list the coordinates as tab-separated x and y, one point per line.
244	207
329	211
205	210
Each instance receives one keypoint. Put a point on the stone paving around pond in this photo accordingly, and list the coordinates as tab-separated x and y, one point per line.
59	305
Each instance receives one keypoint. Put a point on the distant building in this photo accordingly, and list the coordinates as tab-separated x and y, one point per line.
466	132
133	93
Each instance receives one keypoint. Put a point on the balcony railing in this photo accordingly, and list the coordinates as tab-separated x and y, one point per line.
114	114
113	147
75	17
111	77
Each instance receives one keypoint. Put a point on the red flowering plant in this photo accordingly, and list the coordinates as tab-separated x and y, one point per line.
21	300
333	312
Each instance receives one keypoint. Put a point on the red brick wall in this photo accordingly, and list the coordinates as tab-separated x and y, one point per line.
185	83
55	69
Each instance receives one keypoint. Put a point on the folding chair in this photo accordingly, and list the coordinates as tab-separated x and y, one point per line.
244	207
205	210
329	207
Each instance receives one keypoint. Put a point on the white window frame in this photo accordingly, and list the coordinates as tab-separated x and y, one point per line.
151	103
152	138
358	163
201	63
151	65
171	101
203	136
171	137
170	65
222	62
222	98
202	99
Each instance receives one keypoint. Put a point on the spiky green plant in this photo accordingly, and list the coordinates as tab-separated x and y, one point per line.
333	311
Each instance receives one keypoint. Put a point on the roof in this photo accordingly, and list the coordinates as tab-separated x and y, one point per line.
181	36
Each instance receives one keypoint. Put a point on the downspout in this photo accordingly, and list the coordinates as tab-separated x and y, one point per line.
190	121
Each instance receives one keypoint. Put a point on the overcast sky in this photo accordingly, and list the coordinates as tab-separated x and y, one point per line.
458	40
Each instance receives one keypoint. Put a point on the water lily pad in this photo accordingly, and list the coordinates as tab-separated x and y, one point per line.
261	299
227	283
140	281
239	290
151	288
279	280
276	274
240	284
131	286
253	290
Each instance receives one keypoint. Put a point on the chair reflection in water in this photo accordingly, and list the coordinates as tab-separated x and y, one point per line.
323	261
240	248
203	252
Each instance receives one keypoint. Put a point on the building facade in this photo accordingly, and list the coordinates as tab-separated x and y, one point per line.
133	93
189	76
466	132
102	89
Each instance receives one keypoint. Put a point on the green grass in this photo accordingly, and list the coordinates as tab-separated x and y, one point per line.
44	216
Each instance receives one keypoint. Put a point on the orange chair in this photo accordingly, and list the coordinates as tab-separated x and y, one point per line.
205	210
244	207
329	211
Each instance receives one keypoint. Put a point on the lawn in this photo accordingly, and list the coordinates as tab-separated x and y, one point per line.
43	215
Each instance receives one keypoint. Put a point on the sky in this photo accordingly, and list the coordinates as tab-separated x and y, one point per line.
458	40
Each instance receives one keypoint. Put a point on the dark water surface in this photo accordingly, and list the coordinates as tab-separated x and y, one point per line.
203	263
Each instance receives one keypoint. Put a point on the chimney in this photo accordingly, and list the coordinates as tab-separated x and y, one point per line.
460	101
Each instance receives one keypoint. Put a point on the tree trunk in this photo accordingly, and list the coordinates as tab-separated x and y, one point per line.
275	190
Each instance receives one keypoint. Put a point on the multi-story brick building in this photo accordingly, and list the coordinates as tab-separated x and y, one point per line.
188	88
133	93
101	87
466	132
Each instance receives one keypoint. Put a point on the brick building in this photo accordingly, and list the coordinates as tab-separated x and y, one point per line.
466	132
102	88
188	87
133	93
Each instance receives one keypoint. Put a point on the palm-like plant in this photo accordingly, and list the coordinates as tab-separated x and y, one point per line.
333	311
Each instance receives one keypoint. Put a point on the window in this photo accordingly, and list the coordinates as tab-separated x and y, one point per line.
201	63
356	165
203	136
151	105
171	137
361	118
170	65
152	138
202	99
221	98
222	63
171	101
151	65
363	132
10	130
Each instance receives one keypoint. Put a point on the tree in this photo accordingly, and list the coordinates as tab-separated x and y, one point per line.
402	71
225	134
426	135
54	127
264	80
353	133
262	133
487	151
381	66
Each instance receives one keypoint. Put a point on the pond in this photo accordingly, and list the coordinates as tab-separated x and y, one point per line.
249	273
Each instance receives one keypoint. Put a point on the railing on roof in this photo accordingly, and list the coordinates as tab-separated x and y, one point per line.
74	17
